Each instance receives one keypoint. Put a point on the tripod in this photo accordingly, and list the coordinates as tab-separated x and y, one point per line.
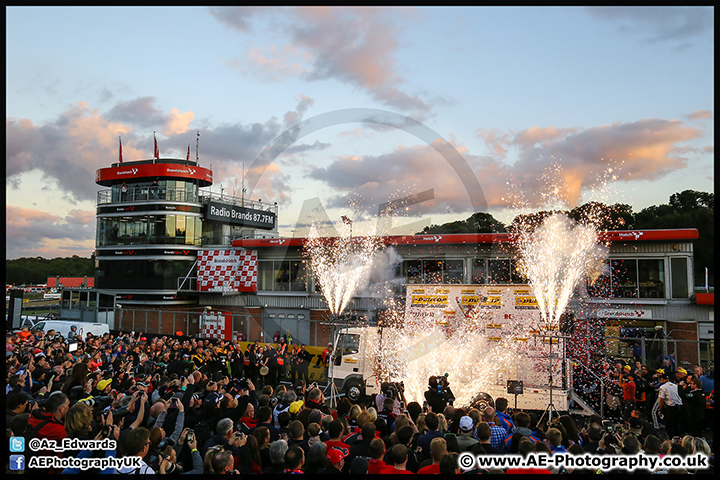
551	406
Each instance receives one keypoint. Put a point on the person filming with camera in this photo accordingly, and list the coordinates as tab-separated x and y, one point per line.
439	395
169	455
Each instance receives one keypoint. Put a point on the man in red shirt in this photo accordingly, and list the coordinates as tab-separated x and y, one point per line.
377	452
399	456
335	431
438	449
628	396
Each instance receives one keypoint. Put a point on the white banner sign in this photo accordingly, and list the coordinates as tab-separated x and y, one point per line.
629	313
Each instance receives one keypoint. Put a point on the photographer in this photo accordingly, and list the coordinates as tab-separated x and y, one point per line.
169	455
439	395
396	391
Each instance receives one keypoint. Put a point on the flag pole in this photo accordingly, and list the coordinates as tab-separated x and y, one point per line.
120	141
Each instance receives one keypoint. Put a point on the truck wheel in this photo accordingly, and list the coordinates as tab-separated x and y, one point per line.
353	391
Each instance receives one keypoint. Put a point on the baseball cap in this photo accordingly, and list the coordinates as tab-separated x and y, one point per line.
660	371
102	384
334	455
295	407
466	423
626	367
634	422
682	370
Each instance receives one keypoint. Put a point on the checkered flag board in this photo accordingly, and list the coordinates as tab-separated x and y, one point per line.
216	325
227	271
247	272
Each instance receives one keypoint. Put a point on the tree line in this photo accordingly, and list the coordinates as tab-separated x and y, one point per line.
36	270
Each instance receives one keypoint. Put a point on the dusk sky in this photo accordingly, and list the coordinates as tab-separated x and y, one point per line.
530	100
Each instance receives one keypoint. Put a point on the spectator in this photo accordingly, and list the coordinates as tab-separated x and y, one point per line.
277	458
438	449
423	441
315	462
464	438
336	461
377	452
399	457
137	444
484	435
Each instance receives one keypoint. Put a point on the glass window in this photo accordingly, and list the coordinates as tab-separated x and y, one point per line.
651	274
198	231
499	271
432	271
265	275
600	287
282	276
347	344
516	276
478	271
679	275
624	278
170	228
297	276
454	272
411	270
180	228
190	230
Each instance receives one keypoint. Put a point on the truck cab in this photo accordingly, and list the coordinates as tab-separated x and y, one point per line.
352	368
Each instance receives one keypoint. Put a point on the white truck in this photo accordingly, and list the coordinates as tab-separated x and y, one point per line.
504	318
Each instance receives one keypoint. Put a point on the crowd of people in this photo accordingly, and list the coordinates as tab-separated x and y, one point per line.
191	406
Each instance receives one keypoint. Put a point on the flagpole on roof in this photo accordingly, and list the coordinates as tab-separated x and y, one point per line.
120	140
197	148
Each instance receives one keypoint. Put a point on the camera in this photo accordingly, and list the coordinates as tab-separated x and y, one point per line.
164	443
98	403
106	430
395	390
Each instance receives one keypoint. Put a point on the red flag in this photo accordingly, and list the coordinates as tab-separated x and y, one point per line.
188	155
157	152
120	140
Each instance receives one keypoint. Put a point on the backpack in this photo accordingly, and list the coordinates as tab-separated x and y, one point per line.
29	453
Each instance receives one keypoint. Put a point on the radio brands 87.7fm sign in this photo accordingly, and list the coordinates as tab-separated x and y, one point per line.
237	215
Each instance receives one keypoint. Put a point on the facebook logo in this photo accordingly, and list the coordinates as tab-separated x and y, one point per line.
17	462
17	444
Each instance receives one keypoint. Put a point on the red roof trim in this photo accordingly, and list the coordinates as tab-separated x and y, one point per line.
486	238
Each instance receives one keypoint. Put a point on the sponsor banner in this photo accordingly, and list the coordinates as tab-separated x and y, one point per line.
133	171
236	215
631	313
216	325
429	300
523	302
227	271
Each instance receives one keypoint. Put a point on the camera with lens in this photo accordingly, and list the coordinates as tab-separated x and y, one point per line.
164	443
442	383
395	390
118	413
106	430
98	403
